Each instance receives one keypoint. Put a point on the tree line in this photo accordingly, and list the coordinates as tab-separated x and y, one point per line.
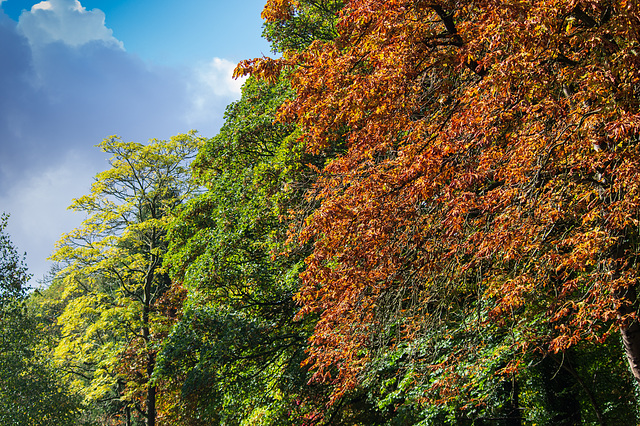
418	213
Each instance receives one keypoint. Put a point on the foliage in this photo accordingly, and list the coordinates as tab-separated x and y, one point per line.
421	213
112	322
489	191
30	392
236	350
14	276
293	25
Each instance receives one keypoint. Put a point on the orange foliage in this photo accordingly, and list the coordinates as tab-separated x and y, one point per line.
492	154
278	10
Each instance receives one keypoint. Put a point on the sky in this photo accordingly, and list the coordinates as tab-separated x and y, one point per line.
75	72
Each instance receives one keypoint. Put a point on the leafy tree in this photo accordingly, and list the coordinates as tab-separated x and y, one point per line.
29	390
113	278
295	25
235	350
14	278
485	209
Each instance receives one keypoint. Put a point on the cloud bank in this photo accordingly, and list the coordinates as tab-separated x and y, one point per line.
66	83
66	21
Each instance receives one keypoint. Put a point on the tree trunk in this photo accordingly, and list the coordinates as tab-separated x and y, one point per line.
631	332
512	409
151	361
151	405
631	340
151	389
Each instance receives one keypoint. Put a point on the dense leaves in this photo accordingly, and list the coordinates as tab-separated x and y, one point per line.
30	390
421	213
114	285
236	343
295	25
489	190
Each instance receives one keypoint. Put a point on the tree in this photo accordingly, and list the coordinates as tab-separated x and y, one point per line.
29	390
14	274
236	351
113	276
292	26
485	210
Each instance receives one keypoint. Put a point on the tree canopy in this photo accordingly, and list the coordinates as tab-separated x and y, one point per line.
420	213
114	283
489	185
30	392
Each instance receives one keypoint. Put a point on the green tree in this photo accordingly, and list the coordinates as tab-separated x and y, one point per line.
30	393
113	276
295	25
236	351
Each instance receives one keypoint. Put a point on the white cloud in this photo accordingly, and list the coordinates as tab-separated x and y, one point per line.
211	83
217	77
43	5
58	99
66	21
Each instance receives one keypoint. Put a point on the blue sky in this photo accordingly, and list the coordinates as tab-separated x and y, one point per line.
74	72
178	33
195	31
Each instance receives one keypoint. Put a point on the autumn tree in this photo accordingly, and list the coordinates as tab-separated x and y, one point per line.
485	210
113	276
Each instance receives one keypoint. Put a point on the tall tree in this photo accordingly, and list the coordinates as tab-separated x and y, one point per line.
490	185
113	275
236	350
227	250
